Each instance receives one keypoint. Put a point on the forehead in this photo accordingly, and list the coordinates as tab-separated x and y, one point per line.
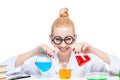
63	31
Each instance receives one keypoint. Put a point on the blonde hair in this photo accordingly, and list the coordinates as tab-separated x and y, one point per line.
63	20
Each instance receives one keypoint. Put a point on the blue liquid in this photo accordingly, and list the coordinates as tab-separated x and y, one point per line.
43	66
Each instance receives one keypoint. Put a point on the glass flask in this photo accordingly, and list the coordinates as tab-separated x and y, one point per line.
44	64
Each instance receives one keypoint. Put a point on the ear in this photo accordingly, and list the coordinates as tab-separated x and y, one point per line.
50	37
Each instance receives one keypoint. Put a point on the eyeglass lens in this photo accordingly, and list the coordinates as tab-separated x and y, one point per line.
58	40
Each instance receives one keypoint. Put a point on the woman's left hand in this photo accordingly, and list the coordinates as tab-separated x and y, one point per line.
83	47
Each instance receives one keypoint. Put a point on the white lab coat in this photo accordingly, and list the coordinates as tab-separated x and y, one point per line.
29	67
114	66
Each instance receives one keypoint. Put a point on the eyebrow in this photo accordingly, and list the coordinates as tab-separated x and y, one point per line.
67	35
61	36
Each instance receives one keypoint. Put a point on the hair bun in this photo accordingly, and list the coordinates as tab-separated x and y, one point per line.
63	12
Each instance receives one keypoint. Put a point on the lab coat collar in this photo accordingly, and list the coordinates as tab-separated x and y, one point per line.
72	62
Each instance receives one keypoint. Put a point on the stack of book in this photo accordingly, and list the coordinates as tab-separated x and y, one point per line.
3	70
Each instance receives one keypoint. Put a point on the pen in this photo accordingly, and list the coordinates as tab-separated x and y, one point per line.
19	77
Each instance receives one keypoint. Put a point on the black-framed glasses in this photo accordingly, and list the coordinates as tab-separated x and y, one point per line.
58	40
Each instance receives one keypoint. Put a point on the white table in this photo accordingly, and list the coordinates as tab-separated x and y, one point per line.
57	78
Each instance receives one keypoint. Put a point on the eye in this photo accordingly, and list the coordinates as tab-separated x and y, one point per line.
57	40
69	39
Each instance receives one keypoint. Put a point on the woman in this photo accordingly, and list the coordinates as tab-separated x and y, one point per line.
63	38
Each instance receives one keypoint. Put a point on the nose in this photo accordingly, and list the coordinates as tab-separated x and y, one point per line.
63	44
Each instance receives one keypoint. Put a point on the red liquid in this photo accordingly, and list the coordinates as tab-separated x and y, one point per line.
81	61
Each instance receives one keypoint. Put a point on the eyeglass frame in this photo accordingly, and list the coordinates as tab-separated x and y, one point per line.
73	39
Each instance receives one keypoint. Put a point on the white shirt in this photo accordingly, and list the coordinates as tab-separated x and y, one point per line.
94	65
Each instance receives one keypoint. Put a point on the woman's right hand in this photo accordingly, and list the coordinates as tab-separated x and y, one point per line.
48	50
23	57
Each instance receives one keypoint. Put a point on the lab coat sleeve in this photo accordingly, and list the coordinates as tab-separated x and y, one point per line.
98	65
114	64
11	69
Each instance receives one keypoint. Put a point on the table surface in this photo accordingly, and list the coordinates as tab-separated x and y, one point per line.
57	78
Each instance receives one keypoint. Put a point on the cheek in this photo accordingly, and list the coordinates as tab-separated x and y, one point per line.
56	46
74	42
51	42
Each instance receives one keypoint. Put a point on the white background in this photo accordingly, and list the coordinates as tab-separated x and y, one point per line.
24	24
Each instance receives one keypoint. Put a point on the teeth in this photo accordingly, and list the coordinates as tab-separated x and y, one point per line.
59	49
63	49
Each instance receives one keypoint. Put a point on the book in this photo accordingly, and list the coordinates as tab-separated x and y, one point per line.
3	68
4	78
2	74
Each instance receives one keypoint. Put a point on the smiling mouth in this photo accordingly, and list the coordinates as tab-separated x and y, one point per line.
63	49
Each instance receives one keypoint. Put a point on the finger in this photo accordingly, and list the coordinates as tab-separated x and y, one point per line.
75	48
50	52
85	47
81	45
78	48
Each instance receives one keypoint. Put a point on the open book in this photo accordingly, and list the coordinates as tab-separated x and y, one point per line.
3	70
